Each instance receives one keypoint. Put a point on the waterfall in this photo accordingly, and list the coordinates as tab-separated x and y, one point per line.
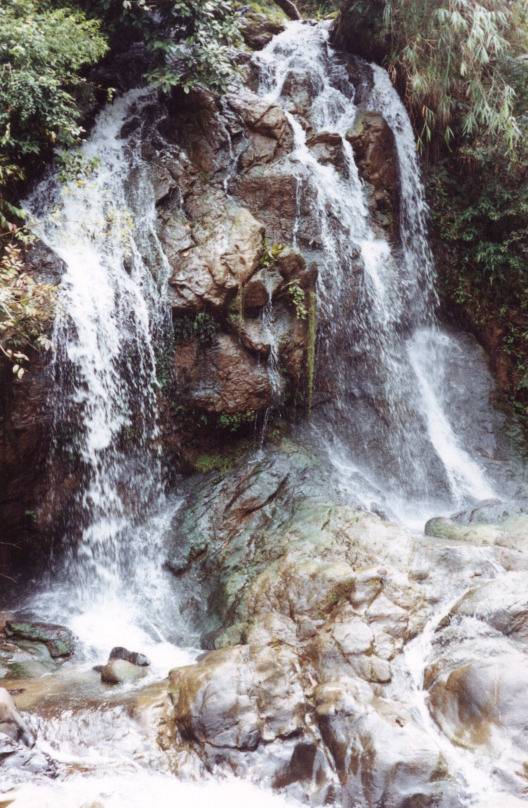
111	318
382	354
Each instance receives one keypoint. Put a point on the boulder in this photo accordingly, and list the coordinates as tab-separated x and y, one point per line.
258	29
134	657
327	148
119	671
263	119
59	641
227	246
12	723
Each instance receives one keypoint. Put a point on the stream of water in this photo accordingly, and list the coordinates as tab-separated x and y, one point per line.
381	345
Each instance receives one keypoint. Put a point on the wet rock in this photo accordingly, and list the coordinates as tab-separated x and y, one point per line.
12	723
375	153
477	678
510	533
215	704
311	628
25	435
327	148
120	671
59	641
263	118
362	34
258	29
134	657
492	511
222	378
226	253
274	197
23	762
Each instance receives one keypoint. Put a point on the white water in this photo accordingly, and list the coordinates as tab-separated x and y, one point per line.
147	791
111	317
380	346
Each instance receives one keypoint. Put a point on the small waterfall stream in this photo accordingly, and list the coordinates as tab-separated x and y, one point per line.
111	319
381	350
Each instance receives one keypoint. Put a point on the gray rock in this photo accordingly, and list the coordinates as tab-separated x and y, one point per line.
120	671
130	656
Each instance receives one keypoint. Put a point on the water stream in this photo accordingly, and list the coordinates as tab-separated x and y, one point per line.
112	318
382	351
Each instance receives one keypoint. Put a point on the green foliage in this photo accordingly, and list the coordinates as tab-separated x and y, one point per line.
205	463
480	219
233	422
270	254
298	299
42	51
456	60
201	327
26	310
188	41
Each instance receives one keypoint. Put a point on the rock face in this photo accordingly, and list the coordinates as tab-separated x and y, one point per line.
375	153
25	440
318	616
313	603
238	296
477	677
360	34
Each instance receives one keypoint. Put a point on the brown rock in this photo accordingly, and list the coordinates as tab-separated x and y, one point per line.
274	197
227	246
223	378
327	148
375	152
258	29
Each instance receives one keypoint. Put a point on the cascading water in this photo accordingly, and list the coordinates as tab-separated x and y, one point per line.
111	317
381	350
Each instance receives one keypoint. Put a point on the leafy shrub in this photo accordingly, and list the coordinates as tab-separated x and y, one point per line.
454	60
26	310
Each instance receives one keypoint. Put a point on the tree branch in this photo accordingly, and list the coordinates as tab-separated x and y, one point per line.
290	9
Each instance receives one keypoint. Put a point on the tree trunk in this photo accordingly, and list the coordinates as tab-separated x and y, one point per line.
290	9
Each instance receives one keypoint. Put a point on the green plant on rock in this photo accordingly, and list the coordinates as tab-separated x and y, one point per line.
205	463
202	327
311	338
298	299
26	310
270	254
233	422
